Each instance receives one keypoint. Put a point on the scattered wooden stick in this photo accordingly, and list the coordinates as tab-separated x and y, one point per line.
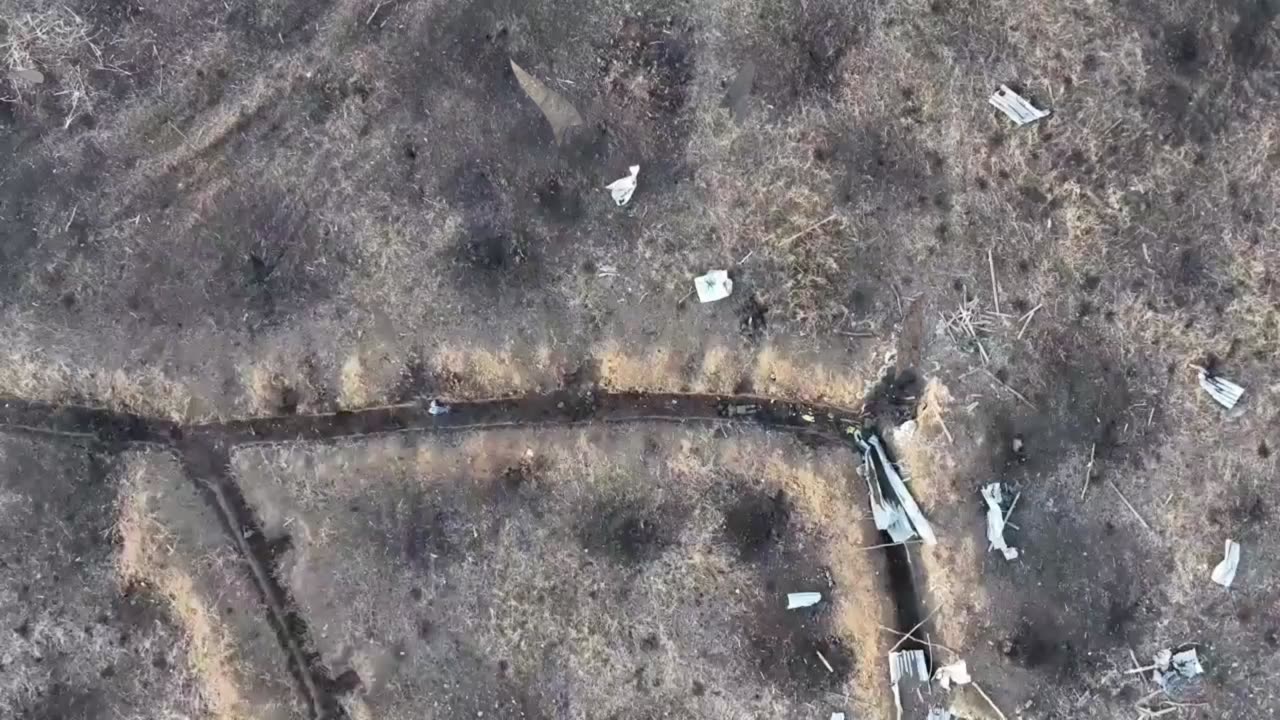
943	424
1005	385
374	14
1026	319
1012	505
1129	505
990	702
892	544
1088	471
917	627
995	292
809	229
927	641
824	662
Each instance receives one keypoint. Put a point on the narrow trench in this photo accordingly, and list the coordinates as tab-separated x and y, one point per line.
205	454
207	463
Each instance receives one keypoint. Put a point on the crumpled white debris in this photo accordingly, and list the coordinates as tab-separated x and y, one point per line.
908	664
957	672
713	286
623	188
1173	668
1225	572
899	516
803	599
994	496
939	714
436	408
1018	108
1225	392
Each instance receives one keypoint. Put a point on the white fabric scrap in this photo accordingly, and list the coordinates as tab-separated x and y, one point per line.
436	408
623	188
837	716
939	714
957	672
713	286
900	516
1018	108
908	664
1225	572
803	599
994	495
1222	390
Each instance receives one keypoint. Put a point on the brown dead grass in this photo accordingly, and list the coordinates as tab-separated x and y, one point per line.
511	554
168	543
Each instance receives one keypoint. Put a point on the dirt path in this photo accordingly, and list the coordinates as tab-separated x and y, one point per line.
205	451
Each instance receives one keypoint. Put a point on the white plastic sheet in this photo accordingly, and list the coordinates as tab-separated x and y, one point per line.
803	599
994	496
1225	572
957	673
1225	392
1016	107
713	286
623	188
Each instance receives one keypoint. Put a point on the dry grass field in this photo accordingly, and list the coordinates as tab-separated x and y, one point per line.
250	208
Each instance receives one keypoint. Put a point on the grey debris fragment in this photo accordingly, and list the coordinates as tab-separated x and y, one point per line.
803	599
1225	392
623	188
1225	572
559	112
899	515
436	408
994	496
1018	108
29	75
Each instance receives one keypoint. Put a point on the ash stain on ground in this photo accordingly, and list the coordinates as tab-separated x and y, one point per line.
627	531
756	523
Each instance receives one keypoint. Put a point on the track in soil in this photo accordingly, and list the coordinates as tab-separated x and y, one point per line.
205	452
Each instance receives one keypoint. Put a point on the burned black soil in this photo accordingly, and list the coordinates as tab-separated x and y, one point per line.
757	523
628	532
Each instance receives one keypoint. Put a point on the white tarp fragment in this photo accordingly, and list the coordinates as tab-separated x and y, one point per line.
898	516
837	716
559	112
957	672
623	188
715	285
1225	572
994	496
1224	391
1016	107
906	664
436	408
803	599
939	714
